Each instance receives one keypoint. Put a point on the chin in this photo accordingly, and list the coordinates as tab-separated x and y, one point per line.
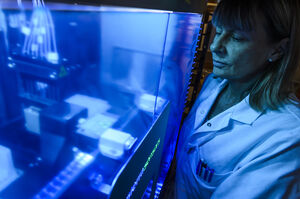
220	73
225	74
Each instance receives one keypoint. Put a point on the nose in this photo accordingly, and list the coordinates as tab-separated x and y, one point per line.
218	45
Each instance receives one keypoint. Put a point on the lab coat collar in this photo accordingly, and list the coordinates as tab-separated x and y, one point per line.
244	113
241	112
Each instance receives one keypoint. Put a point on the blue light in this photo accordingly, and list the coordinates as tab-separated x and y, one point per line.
64	179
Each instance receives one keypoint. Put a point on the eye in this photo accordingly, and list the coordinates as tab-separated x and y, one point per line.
237	37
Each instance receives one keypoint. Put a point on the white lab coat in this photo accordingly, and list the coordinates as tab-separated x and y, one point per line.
253	154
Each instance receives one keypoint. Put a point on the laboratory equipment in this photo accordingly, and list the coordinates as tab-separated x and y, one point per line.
87	92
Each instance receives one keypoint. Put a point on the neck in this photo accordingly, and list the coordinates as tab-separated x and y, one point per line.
240	89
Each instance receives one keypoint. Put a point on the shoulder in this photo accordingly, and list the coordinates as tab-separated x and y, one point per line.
276	137
288	115
281	126
292	109
292	114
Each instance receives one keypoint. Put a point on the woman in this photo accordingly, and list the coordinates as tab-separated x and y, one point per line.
242	136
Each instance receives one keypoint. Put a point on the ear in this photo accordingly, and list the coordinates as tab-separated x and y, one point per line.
279	49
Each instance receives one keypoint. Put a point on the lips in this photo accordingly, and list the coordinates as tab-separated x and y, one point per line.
219	64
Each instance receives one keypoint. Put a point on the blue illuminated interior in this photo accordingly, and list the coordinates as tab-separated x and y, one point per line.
69	75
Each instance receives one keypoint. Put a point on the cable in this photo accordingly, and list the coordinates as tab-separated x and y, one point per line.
40	43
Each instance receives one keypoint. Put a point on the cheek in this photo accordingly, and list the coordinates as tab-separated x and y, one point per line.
248	58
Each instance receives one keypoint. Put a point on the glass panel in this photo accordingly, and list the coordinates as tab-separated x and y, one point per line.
76	84
181	42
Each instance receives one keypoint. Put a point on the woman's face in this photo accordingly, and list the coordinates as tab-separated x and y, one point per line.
238	55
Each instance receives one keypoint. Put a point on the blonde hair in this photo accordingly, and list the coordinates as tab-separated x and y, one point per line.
281	19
